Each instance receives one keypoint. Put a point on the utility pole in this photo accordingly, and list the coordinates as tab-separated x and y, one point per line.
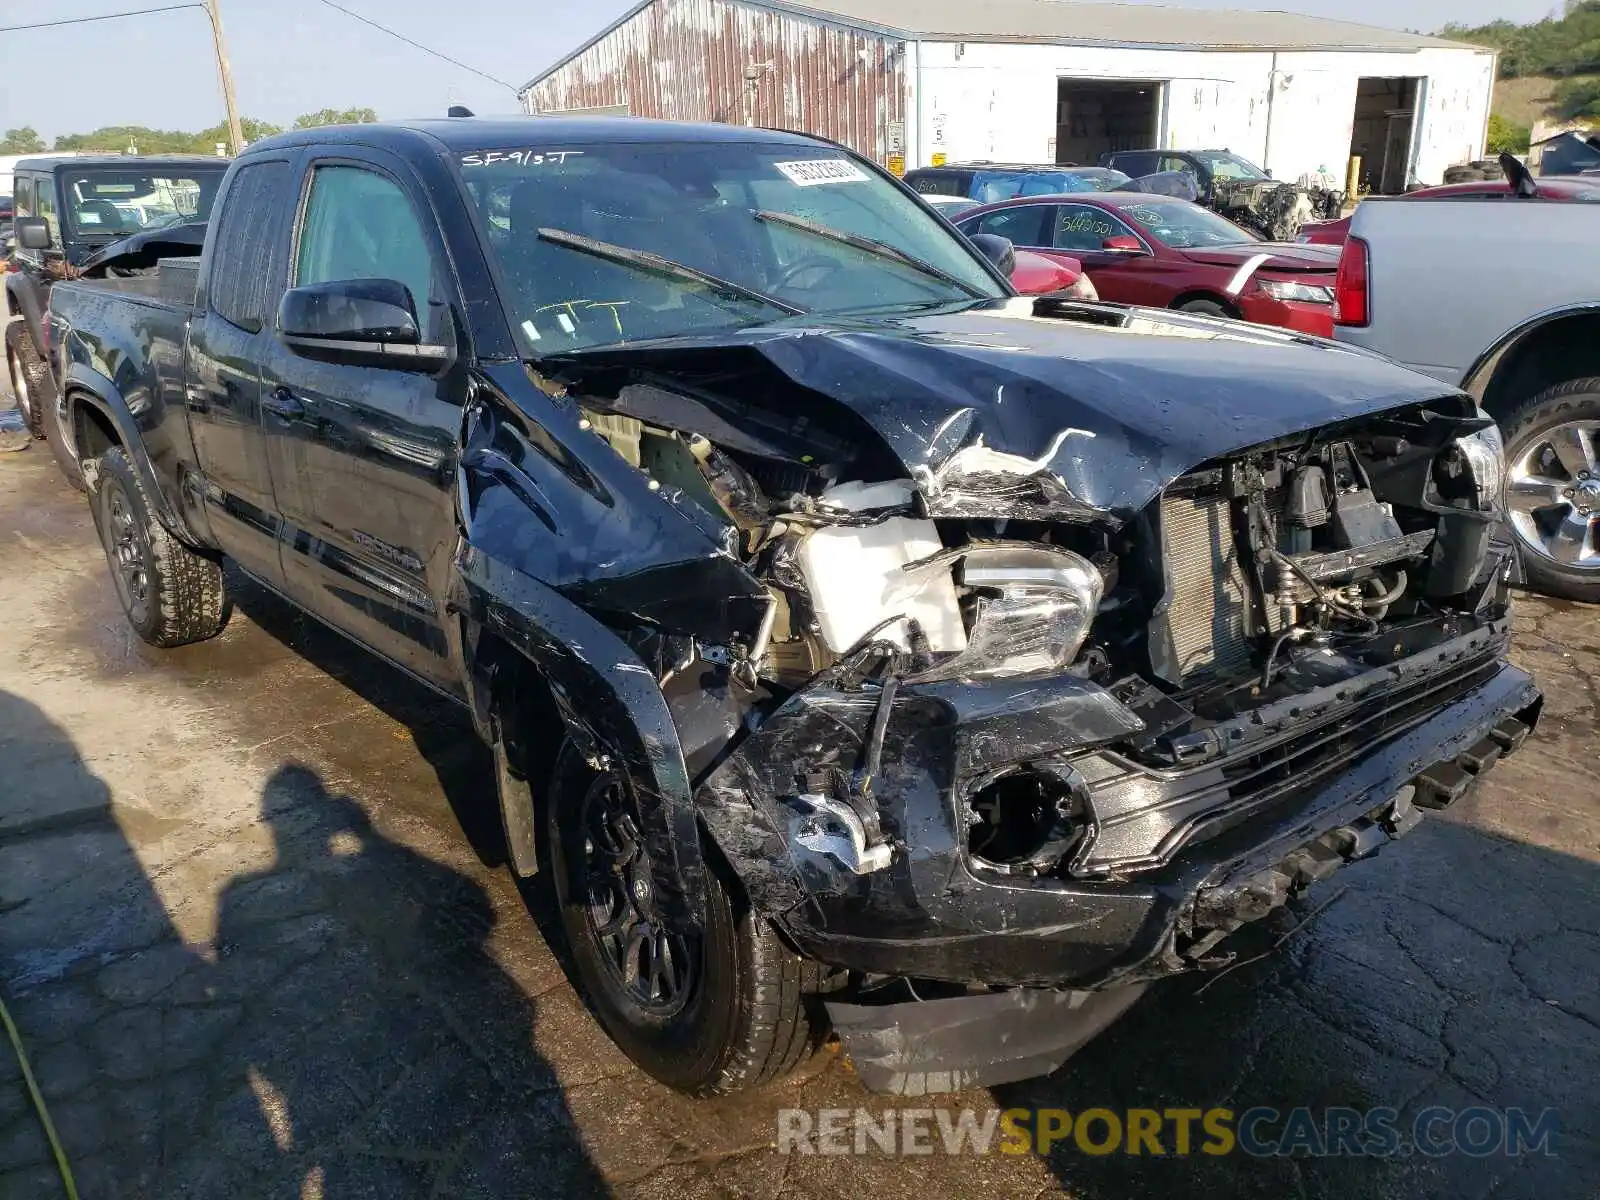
235	130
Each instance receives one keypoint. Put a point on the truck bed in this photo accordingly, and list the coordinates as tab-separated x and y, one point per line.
1449	277
173	283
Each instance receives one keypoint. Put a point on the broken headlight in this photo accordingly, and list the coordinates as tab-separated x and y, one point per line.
1307	293
1031	607
1485	455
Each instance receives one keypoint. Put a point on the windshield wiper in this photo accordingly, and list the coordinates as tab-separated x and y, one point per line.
644	260
869	246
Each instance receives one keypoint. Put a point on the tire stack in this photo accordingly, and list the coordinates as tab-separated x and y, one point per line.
1478	170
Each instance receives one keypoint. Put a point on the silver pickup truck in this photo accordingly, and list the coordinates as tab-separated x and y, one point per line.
1499	296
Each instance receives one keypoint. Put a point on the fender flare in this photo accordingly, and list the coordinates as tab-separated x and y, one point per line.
86	386
24	293
610	703
1481	374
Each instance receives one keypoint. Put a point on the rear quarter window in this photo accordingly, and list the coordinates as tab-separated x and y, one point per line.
938	183
1020	225
1134	163
248	263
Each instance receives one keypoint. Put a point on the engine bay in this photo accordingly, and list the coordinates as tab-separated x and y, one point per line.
1238	570
1281	572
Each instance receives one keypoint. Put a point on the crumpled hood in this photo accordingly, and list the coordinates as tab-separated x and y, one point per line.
1104	404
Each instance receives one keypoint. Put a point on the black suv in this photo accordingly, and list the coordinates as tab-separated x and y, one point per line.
1207	166
68	207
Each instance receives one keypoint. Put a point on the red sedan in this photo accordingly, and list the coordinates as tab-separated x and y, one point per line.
1036	275
1169	253
1333	233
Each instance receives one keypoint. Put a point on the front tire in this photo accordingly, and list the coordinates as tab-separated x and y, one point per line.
1210	308
708	1012
171	595
29	376
1552	493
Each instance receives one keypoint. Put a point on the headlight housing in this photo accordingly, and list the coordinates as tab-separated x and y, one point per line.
1308	293
1031	609
1485	456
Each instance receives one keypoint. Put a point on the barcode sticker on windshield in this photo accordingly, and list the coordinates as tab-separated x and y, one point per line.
814	171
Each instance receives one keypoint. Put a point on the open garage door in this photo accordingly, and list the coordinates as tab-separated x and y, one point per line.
1097	115
1381	135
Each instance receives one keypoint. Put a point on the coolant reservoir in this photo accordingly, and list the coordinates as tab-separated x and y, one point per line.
856	580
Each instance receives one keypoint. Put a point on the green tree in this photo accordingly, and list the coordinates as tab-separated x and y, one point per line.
1565	45
335	116
22	141
1577	99
1505	137
205	142
118	139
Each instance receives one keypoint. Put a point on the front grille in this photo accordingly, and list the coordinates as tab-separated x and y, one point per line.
1208	606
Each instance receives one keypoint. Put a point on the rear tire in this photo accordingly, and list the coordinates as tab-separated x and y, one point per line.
735	1014
1549	524
28	374
171	595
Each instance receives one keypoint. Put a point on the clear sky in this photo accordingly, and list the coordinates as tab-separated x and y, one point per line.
295	56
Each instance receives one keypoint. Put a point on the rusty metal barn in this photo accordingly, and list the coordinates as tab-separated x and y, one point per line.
919	82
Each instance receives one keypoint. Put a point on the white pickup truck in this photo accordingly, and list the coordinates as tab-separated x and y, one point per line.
1499	296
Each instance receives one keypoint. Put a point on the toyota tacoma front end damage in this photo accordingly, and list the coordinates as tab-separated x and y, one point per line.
1043	673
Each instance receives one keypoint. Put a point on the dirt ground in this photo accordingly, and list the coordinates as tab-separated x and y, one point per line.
258	937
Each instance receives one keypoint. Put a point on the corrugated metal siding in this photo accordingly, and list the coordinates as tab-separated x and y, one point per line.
685	60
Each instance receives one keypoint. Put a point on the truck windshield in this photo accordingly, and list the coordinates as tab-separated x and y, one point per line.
1223	165
115	204
760	231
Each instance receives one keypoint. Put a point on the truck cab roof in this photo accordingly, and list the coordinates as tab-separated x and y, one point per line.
50	162
478	133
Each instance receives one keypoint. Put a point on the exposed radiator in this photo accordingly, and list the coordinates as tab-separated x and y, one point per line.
1209	609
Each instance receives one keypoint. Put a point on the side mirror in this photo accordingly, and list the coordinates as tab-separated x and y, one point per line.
360	322
997	250
32	233
1267	171
1124	242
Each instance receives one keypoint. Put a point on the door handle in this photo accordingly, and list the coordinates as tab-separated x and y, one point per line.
281	402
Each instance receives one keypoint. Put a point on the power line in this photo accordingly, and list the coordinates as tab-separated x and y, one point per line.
418	45
137	12
142	12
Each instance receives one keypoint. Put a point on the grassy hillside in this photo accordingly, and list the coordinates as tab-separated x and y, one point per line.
1549	70
1558	46
1524	99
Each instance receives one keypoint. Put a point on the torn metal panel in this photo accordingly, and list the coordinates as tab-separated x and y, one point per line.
1067	414
604	534
611	705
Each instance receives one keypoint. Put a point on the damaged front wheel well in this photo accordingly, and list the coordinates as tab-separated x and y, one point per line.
525	729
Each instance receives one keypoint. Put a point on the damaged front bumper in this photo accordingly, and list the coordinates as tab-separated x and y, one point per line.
1216	854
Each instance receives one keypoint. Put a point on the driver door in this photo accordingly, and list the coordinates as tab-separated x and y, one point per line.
363	458
1126	276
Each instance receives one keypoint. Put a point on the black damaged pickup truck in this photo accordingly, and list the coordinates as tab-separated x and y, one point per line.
859	643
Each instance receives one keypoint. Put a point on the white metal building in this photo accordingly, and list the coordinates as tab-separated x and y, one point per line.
1043	81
